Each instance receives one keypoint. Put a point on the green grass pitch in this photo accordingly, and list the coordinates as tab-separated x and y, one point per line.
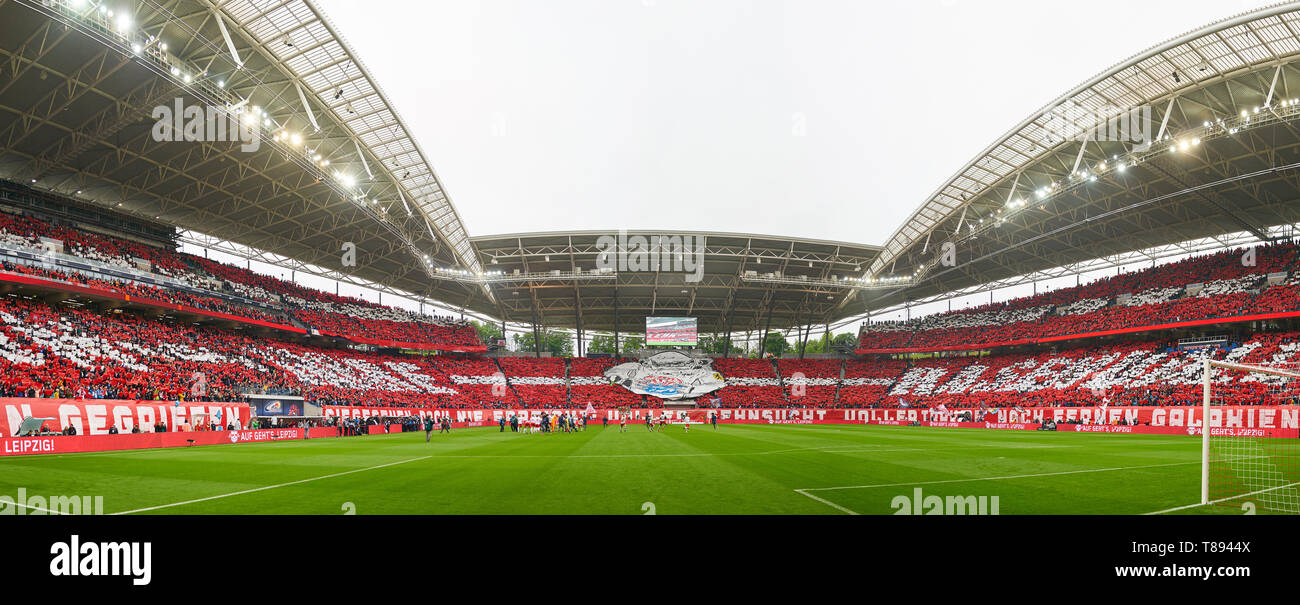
737	469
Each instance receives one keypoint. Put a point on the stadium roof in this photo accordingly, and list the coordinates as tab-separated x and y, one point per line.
744	280
1056	191
77	120
337	165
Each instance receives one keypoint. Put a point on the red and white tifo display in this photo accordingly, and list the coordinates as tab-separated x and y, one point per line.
1230	286
93	417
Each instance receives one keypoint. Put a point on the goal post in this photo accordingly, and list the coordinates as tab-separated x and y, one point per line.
1243	462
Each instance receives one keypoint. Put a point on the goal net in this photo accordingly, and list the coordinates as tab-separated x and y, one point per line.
1250	455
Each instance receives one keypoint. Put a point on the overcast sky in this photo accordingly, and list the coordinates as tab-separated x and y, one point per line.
828	119
686	114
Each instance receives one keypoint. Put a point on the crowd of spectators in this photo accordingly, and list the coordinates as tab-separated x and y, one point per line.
588	384
144	291
59	352
1224	284
343	316
65	352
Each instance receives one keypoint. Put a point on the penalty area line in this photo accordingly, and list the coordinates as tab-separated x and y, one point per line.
269	487
804	491
1216	501
1004	477
825	501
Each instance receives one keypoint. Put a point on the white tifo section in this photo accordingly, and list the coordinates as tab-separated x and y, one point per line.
1128	366
804	491
1258	469
48	337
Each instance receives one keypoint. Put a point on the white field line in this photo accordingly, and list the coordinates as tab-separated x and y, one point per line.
28	506
1216	501
805	449
278	485
826	502
804	491
1028	476
340	474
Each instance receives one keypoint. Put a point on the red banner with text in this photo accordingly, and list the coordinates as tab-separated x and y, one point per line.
1238	417
94	416
71	444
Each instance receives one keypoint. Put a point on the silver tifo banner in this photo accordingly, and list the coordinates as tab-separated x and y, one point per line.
668	375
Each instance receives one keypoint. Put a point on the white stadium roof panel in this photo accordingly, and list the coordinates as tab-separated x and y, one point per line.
1183	63
300	37
288	46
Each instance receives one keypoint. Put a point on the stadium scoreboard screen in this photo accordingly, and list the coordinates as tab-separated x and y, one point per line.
289	406
670	332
